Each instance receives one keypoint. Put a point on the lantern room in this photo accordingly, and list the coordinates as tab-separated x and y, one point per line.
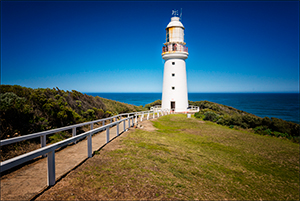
174	37
175	31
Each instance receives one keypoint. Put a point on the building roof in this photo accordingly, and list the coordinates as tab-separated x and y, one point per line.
175	23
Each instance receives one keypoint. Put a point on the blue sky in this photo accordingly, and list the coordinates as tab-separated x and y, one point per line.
103	46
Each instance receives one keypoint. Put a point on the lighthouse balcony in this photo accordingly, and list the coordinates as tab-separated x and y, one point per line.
174	48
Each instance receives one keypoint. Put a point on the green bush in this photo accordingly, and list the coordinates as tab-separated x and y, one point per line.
225	120
59	137
16	115
148	106
89	115
198	115
210	116
25	110
229	116
267	132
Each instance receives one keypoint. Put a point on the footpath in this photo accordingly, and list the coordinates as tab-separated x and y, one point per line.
31	179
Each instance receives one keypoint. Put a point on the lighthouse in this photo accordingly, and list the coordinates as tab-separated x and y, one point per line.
174	52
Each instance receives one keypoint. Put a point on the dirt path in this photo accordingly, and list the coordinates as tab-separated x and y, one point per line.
64	186
31	179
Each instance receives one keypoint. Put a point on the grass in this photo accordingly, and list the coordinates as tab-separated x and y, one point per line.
188	159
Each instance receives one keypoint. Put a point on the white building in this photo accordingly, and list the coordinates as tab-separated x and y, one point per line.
174	93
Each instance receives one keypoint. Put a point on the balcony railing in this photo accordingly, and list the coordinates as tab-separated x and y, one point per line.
174	48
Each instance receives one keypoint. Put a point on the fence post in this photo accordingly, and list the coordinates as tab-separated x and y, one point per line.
43	143
110	120
107	134
124	125
118	129
116	119
128	122
103	122
132	123
142	115
74	133
158	114
136	118
153	114
89	145
51	167
148	116
92	126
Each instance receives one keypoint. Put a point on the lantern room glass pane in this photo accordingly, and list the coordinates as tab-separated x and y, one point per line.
167	35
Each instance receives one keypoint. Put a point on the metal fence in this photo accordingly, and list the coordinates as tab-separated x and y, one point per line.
174	48
49	151
189	109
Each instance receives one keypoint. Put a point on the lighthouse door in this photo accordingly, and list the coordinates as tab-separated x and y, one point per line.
172	105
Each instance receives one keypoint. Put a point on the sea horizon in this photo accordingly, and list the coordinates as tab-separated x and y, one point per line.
193	92
282	105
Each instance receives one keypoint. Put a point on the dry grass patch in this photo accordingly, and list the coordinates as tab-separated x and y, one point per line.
185	159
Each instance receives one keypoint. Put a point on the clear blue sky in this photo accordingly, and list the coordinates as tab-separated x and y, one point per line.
102	46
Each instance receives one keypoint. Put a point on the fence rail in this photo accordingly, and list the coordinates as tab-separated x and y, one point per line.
189	109
174	48
73	127
49	151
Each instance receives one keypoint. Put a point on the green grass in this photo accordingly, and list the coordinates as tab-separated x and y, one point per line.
187	159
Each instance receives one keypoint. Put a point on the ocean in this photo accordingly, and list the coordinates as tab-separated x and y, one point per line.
280	105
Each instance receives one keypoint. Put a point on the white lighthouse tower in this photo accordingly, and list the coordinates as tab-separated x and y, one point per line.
174	93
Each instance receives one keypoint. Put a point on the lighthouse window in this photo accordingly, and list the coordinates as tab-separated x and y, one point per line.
173	88
173	63
167	35
173	74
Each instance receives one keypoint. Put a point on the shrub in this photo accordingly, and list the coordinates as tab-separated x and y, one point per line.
25	110
16	115
59	137
266	121
89	115
148	106
276	134
210	116
251	121
198	115
224	120
260	129
108	114
267	132
230	116
78	103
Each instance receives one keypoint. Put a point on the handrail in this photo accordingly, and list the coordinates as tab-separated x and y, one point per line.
5	165
191	108
38	134
43	133
50	150
174	47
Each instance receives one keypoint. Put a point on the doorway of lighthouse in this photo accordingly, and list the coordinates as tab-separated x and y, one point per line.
172	105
